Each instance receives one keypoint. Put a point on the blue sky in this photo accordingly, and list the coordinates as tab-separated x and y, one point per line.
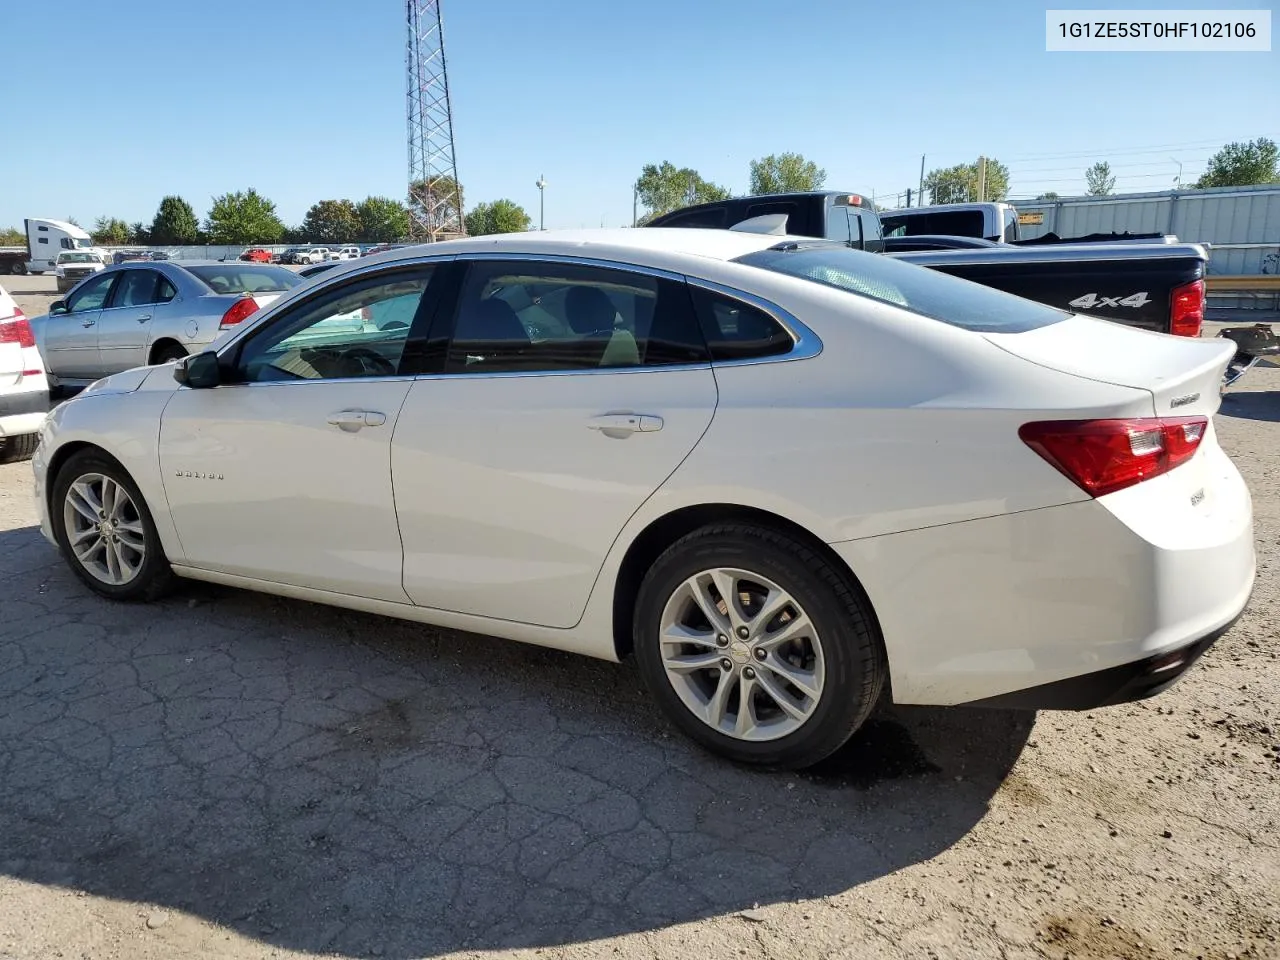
109	106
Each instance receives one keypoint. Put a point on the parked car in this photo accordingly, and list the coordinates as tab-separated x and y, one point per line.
72	266
144	313
998	222
785	476
256	255
290	255
1154	286
350	252
24	389
382	248
134	256
312	255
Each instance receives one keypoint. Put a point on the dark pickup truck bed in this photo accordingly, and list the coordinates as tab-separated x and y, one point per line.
1156	286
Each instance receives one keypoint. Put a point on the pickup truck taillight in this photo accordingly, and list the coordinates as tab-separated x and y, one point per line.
17	330
242	308
1103	456
1186	309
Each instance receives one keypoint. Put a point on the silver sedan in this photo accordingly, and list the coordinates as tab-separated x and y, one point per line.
134	314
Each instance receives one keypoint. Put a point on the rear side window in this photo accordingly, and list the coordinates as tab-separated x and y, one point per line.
738	331
955	223
920	290
528	316
838	225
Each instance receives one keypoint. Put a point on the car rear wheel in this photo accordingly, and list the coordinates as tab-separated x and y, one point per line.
757	647
105	531
21	447
167	352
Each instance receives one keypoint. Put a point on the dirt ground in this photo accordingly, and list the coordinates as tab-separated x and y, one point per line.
227	775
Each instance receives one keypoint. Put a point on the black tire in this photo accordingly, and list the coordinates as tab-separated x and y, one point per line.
170	351
21	447
19	268
855	662
155	578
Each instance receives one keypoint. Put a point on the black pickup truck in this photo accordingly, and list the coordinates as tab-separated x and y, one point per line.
1154	286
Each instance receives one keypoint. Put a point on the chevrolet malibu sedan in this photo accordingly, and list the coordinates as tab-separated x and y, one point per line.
786	476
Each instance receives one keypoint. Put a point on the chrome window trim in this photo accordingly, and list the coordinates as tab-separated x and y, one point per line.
805	343
390	378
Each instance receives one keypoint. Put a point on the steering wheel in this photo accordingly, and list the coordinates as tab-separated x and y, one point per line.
371	362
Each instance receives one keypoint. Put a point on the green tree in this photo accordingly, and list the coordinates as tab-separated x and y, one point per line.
1049	195
243	217
435	206
1099	180
138	233
110	231
1241	164
174	223
963	182
332	221
382	220
785	173
501	216
664	187
12	237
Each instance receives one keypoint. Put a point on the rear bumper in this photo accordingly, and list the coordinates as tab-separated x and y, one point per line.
23	412
1068	605
1105	688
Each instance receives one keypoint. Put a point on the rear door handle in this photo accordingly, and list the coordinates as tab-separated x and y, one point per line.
144	319
88	323
353	420
623	424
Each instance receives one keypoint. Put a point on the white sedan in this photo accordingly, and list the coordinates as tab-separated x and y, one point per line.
785	475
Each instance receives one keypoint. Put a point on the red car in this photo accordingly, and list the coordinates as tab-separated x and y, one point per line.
256	255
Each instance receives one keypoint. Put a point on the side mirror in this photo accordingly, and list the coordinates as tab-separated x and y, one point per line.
58	306
198	372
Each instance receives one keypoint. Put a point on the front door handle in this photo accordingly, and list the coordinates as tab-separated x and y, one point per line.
144	319
353	420
88	323
625	424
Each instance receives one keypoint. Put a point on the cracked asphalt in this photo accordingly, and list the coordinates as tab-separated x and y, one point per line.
228	775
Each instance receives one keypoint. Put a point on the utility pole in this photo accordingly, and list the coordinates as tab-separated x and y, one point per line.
921	193
635	203
542	201
1178	182
982	179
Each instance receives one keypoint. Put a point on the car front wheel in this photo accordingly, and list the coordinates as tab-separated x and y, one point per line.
105	531
757	647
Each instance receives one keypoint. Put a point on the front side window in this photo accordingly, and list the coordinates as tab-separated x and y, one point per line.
838	224
91	295
872	236
519	316
920	290
357	330
136	288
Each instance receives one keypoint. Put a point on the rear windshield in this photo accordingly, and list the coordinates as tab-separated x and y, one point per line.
929	293
246	278
958	223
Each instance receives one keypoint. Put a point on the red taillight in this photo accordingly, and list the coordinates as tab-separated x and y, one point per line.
1103	456
242	308
17	330
1186	309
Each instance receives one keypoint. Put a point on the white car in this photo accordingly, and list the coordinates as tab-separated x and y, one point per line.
783	474
72	266
345	253
312	255
24	388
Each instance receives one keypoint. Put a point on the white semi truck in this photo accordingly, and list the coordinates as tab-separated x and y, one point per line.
45	240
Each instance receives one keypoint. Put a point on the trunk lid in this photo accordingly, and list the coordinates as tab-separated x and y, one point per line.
1182	374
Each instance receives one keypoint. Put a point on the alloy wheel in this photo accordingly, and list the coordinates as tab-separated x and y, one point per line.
104	529
742	654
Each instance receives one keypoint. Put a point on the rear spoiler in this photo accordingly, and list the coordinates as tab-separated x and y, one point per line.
774	224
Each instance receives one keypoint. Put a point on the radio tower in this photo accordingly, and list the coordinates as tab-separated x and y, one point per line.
435	199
